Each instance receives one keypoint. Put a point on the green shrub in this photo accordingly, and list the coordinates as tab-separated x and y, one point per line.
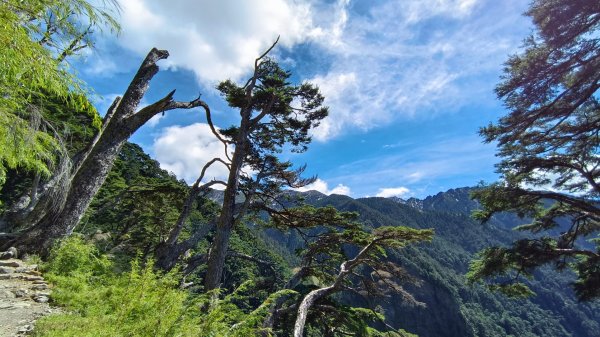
141	302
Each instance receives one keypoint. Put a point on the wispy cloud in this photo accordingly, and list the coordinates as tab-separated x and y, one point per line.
393	192
401	59
378	61
416	168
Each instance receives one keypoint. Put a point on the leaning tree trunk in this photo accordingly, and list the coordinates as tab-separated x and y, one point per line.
226	221
168	253
91	171
84	185
346	268
305	306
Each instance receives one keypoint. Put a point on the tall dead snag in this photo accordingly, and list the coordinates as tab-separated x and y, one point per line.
274	114
90	171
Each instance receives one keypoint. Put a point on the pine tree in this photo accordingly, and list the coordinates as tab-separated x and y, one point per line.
269	121
549	145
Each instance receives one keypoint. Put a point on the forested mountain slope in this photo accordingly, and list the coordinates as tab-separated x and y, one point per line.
453	307
139	202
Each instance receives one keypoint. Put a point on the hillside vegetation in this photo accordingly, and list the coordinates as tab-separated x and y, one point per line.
133	250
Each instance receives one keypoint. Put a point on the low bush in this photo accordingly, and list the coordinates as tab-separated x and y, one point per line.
141	302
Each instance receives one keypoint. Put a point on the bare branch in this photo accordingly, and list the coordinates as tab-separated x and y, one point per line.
266	52
214	130
345	269
166	103
251	258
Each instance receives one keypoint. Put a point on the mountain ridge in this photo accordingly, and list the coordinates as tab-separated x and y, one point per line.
453	307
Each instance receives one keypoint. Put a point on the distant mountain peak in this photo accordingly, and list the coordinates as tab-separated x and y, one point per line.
412	202
453	200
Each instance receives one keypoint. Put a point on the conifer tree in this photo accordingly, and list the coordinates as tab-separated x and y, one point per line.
341	255
50	31
549	143
36	37
274	114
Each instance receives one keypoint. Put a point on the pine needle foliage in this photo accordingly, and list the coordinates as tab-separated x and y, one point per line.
549	143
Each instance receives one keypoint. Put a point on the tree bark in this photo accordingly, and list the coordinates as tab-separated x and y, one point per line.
167	255
93	168
170	251
305	306
345	269
226	221
84	185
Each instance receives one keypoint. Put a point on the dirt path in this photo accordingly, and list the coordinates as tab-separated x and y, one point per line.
23	297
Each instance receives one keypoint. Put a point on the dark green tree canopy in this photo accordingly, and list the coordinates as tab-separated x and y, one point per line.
549	144
282	113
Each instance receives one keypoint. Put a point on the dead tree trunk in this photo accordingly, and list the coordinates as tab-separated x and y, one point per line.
91	171
306	304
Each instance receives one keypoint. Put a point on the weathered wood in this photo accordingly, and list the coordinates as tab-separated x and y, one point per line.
225	224
91	170
305	306
346	269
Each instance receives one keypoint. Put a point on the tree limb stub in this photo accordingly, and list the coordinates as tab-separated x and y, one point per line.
139	85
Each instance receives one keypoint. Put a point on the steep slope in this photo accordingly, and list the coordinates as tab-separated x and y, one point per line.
454	308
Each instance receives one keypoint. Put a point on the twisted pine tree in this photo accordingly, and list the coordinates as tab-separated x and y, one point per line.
549	143
273	114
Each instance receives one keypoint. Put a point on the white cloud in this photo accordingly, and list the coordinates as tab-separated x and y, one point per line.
420	10
393	192
215	39
99	65
154	120
410	58
459	159
415	176
184	150
384	61
322	186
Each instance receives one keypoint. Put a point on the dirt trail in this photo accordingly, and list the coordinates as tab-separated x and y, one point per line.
24	297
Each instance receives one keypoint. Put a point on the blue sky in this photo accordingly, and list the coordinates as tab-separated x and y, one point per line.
408	82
